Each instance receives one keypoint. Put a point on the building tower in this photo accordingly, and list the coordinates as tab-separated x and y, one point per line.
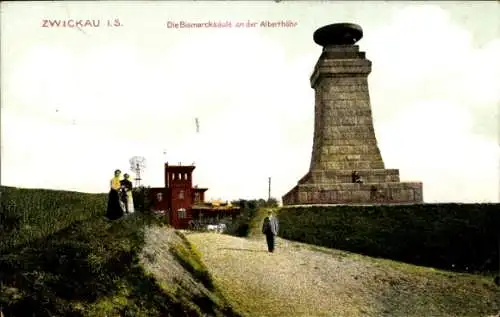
346	164
178	181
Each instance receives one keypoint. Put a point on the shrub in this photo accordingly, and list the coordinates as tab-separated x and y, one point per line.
142	199
240	226
458	237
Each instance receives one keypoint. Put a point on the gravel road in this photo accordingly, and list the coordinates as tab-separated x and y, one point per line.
303	282
310	281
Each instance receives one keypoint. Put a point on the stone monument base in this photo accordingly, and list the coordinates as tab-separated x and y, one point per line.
380	186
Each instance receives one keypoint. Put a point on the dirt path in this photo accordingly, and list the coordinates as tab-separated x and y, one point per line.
303	280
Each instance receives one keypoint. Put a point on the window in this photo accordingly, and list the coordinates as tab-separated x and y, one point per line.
197	197
182	213
181	194
180	176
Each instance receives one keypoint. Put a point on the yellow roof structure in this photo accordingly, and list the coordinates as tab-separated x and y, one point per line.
219	204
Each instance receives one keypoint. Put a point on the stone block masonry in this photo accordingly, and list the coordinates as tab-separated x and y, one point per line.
344	138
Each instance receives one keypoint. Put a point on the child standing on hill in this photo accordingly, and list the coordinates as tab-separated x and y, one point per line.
127	198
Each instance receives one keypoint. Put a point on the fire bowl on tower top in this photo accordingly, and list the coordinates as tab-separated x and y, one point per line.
338	34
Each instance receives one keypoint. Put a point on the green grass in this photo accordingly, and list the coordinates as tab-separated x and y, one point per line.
406	289
30	214
375	287
417	288
90	268
478	289
60	257
190	258
71	261
455	237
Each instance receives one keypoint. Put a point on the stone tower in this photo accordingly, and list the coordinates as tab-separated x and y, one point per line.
346	164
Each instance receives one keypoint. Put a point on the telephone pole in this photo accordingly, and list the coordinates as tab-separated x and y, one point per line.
269	190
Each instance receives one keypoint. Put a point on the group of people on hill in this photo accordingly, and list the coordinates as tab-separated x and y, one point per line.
120	199
121	202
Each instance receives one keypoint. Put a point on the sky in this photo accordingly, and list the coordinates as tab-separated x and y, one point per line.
76	104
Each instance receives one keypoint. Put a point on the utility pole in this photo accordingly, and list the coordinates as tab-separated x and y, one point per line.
269	190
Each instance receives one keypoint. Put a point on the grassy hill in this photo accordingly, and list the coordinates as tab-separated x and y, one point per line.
306	280
60	257
320	281
29	214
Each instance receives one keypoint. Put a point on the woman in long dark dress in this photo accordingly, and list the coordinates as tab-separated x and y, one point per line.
115	210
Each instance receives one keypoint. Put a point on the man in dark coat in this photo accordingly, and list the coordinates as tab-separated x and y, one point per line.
356	178
270	229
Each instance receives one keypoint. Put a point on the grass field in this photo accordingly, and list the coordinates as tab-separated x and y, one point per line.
71	261
303	280
30	214
60	257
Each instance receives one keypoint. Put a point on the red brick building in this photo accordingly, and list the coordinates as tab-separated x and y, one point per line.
183	203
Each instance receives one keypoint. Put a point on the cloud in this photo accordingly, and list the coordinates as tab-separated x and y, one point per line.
453	164
428	118
96	100
435	59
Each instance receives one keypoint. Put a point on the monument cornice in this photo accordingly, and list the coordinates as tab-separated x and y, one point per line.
321	73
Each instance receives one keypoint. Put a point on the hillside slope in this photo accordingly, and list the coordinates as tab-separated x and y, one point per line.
305	280
176	266
131	267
